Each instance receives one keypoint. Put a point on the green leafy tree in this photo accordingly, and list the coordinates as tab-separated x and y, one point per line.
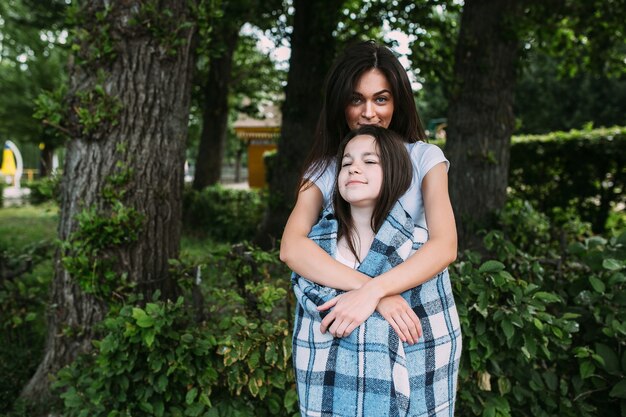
32	61
481	97
125	114
214	81
549	99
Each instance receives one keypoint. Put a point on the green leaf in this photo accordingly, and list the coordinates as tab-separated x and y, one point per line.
290	399
504	385
253	359
194	409
191	396
159	408
142	319
597	284
253	387
612	264
609	357
619	390
491	266
587	368
546	297
552	381
148	337
507	328
161	383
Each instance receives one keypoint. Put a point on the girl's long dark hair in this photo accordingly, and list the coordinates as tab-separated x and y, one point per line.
340	83
397	175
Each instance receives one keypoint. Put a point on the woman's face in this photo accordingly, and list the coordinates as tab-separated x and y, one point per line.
372	101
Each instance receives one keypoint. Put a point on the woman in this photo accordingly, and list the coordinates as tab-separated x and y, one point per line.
367	85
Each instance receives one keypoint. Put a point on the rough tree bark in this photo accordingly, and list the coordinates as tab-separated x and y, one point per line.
215	113
148	73
312	52
480	116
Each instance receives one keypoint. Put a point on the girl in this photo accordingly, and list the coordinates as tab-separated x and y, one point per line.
368	372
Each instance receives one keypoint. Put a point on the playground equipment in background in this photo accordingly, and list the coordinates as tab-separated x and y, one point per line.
12	164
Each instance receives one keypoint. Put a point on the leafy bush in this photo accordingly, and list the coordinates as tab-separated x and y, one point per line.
223	214
23	293
232	358
45	189
583	169
543	336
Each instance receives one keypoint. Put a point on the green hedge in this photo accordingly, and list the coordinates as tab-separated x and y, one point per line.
581	170
231	358
223	214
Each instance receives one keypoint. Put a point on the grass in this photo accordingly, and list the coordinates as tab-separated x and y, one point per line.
24	225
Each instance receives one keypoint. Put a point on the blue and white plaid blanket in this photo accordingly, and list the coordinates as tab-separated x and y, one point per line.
371	373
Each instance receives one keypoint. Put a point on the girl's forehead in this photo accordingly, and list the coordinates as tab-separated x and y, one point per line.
361	144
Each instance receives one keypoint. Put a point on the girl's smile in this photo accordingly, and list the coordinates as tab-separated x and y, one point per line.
360	176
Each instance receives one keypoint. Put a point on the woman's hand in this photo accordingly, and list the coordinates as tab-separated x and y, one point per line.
401	317
350	310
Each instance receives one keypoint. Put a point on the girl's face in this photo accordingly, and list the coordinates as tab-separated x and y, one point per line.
372	101
361	175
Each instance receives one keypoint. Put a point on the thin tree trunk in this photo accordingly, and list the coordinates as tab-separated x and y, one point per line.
480	117
312	52
149	76
45	163
215	113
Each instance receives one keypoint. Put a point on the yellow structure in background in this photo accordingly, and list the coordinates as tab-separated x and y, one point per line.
260	136
8	168
259	139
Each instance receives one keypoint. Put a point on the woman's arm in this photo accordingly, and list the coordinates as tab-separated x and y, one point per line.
441	248
433	257
304	256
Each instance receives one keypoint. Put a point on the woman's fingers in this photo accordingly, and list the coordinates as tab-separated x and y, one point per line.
413	325
396	328
327	322
401	317
329	304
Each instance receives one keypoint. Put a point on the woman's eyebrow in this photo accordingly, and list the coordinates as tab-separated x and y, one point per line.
385	91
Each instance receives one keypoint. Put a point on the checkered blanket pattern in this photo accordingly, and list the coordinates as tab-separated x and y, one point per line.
371	373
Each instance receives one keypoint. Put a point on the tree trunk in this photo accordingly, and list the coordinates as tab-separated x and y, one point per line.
480	116
133	155
312	52
45	162
215	113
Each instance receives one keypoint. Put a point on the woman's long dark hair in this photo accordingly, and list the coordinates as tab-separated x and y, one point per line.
397	175
340	83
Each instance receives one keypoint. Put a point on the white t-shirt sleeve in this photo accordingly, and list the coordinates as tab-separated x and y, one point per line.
424	157
430	156
325	182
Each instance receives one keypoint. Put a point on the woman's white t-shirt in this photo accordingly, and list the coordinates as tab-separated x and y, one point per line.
424	156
